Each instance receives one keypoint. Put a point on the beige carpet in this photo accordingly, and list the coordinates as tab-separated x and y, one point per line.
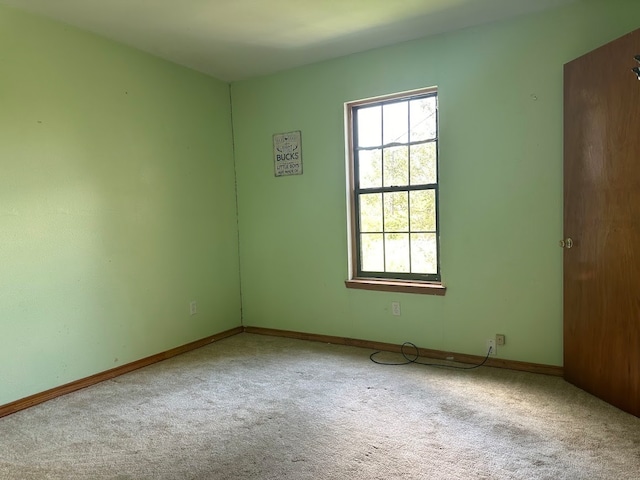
257	407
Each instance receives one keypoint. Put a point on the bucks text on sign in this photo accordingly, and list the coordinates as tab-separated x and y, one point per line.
287	153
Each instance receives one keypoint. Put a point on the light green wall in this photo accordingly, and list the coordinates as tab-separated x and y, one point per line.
117	202
500	90
117	205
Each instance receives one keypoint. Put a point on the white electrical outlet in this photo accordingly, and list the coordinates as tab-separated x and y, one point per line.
193	308
395	308
491	347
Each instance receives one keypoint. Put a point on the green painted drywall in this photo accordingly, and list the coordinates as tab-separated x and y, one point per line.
117	205
500	89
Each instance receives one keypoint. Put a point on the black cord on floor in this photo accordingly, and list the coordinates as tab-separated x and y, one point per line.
416	356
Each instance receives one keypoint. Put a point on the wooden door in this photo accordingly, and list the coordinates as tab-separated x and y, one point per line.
602	217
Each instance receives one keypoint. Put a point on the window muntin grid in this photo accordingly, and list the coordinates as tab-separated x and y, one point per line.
395	168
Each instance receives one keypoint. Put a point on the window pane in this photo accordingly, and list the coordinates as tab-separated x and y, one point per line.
424	257
394	155
423	119
396	212
372	252
369	126
396	122
371	212
423	210
423	164
370	168
397	252
396	166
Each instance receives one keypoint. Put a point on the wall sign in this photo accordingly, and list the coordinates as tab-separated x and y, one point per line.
287	153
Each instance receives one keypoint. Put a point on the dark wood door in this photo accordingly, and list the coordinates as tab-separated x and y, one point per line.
602	217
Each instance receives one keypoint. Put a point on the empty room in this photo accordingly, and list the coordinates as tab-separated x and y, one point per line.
245	239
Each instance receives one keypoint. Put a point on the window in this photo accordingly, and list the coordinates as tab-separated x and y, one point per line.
393	154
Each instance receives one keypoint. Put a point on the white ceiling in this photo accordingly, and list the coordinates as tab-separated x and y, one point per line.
237	39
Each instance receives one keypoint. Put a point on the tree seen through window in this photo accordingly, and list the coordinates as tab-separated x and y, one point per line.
395	187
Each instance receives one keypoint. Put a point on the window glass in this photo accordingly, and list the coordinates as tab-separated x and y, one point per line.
395	194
